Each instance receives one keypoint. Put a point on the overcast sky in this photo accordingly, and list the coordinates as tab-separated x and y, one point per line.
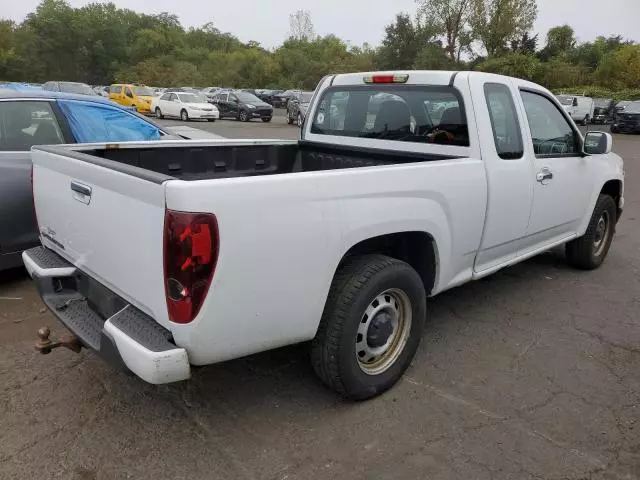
357	21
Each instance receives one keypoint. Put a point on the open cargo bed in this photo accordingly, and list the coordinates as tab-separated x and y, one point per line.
202	161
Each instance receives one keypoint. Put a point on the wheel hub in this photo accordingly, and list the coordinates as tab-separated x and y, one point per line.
383	331
600	235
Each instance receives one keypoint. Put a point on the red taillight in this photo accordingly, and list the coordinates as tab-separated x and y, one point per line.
33	203
190	256
398	78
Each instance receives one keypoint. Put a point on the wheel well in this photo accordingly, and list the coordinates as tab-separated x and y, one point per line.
613	188
418	249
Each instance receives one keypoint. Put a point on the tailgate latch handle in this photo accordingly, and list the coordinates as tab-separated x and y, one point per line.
81	192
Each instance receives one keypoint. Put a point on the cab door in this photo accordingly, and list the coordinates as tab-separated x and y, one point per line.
563	177
508	168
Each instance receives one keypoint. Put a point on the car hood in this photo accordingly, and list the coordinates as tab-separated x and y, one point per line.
259	104
190	133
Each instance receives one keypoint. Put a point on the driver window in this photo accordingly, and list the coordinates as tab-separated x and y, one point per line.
128	92
233	98
551	133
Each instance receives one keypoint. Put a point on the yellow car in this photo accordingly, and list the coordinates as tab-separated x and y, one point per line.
137	96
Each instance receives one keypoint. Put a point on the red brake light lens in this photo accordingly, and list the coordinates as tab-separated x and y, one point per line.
402	78
190	256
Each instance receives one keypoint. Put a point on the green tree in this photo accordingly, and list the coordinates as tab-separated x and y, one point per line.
560	40
402	42
513	65
621	69
450	19
496	23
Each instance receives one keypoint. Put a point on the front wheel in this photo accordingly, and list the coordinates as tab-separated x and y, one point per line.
159	113
589	251
184	116
266	120
243	117
300	120
289	118
371	326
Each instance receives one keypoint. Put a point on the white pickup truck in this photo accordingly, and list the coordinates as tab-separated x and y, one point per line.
161	256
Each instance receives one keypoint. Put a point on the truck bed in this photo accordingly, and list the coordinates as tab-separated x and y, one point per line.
239	159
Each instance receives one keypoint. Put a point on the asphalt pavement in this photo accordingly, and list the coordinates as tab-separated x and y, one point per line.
532	373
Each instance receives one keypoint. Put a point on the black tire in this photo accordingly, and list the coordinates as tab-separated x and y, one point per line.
357	283
159	113
300	120
266	120
211	119
614	130
184	115
243	116
585	121
587	252
289	118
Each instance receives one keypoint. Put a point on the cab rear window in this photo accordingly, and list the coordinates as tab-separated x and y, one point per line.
401	113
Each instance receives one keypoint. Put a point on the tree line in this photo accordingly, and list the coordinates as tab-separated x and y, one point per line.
100	44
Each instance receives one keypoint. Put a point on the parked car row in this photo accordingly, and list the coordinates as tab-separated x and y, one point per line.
603	111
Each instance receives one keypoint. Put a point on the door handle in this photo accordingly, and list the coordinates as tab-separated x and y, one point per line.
81	193
544	175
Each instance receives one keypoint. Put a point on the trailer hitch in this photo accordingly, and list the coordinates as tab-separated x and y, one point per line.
44	345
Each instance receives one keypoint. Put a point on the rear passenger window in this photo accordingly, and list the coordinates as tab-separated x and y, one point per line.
504	121
24	124
116	89
400	113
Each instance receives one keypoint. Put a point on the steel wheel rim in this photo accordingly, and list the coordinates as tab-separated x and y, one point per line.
601	234
392	307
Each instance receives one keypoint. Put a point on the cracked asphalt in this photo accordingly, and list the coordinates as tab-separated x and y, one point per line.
533	373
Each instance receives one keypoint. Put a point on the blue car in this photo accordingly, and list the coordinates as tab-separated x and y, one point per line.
37	117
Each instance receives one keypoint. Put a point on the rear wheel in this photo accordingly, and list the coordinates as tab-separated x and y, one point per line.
299	119
371	326
159	113
289	118
589	251
184	116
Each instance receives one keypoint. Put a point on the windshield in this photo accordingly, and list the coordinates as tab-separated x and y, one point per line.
633	107
305	97
601	102
72	87
246	97
565	100
188	98
144	91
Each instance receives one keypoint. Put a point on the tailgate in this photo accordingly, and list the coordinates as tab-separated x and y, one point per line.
105	218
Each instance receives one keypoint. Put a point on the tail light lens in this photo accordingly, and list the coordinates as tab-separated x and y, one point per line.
190	256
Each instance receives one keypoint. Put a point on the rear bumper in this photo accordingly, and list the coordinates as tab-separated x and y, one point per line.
118	332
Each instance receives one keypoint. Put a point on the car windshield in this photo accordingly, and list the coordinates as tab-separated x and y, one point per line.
565	100
188	98
72	87
143	91
247	97
633	107
305	97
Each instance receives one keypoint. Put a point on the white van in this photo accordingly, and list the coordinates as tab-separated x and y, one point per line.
578	107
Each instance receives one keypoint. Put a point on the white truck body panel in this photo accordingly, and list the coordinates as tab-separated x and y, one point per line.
282	237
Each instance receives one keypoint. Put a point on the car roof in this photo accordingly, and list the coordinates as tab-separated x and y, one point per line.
9	93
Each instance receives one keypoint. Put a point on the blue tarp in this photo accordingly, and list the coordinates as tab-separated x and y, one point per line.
94	123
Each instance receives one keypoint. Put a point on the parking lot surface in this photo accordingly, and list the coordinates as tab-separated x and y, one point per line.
533	373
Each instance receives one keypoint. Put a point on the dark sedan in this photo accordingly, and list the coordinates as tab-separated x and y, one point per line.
627	121
242	106
297	107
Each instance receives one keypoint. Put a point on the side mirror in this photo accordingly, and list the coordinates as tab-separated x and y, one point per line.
598	143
